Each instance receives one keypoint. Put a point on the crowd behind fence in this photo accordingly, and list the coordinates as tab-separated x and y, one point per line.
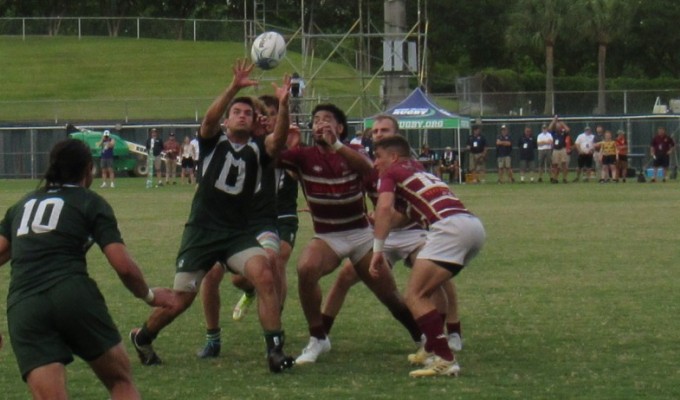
24	150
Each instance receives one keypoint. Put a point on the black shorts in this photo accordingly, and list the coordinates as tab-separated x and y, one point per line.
661	160
69	318
623	157
608	160
187	163
585	161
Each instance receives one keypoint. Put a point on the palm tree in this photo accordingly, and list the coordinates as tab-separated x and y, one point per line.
605	21
538	23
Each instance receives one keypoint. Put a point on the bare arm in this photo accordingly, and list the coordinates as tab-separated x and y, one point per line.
5	250
131	276
211	120
275	142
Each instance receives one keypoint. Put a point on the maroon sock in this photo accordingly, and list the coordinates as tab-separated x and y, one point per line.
327	321
318	332
431	325
454	328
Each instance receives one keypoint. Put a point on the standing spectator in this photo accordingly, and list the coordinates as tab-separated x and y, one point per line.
359	137
477	149
607	148
527	154
331	175
622	150
585	147
297	91
106	144
194	144
661	148
544	142
367	142
172	150
504	155
453	239
154	147
427	157
449	164
597	154
54	308
561	149
189	159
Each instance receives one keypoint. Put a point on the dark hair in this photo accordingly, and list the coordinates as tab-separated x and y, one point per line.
70	162
270	101
338	114
396	143
245	100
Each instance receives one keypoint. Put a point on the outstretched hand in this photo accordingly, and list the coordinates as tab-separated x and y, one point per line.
242	69
282	92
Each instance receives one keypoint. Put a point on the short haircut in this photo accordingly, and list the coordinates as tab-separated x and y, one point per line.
243	100
382	117
397	144
259	106
338	114
270	101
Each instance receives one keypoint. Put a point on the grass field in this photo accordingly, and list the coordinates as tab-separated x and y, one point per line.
575	296
48	78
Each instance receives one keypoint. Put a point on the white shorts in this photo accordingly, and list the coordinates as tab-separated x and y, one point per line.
353	244
401	243
454	240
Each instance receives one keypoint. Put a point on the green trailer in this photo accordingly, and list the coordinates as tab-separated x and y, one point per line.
128	158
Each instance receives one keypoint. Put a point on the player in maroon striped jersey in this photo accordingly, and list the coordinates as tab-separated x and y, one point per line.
454	237
331	175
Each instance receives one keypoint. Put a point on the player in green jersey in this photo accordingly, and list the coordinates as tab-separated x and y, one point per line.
232	164
54	309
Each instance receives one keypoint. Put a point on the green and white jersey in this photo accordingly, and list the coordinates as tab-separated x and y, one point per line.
287	196
263	208
50	232
232	175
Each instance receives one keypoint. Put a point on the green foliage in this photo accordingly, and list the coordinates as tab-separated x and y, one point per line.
572	297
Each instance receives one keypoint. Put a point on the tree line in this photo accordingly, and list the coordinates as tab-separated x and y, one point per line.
540	42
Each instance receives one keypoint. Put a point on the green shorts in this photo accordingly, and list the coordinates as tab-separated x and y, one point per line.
202	248
288	228
69	318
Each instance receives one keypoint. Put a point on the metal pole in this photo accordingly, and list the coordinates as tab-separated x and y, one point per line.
137	28
23	28
194	30
79	26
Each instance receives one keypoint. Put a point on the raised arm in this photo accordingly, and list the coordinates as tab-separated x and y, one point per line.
241	79
277	140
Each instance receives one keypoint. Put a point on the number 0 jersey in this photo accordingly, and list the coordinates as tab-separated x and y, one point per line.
50	232
231	176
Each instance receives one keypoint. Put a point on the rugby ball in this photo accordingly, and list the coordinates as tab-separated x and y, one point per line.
268	49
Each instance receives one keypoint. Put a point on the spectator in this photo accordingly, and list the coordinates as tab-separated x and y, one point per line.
561	149
194	144
527	153
172	150
585	146
189	158
477	148
622	150
503	155
367	142
106	144
359	137
607	148
544	142
597	154
427	157
449	164
154	147
661	148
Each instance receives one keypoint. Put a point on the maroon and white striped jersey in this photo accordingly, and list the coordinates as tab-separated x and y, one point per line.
428	199
334	192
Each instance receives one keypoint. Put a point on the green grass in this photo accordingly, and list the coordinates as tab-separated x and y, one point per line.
64	78
575	296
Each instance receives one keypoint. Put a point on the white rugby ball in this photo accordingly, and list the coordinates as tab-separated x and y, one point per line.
268	50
